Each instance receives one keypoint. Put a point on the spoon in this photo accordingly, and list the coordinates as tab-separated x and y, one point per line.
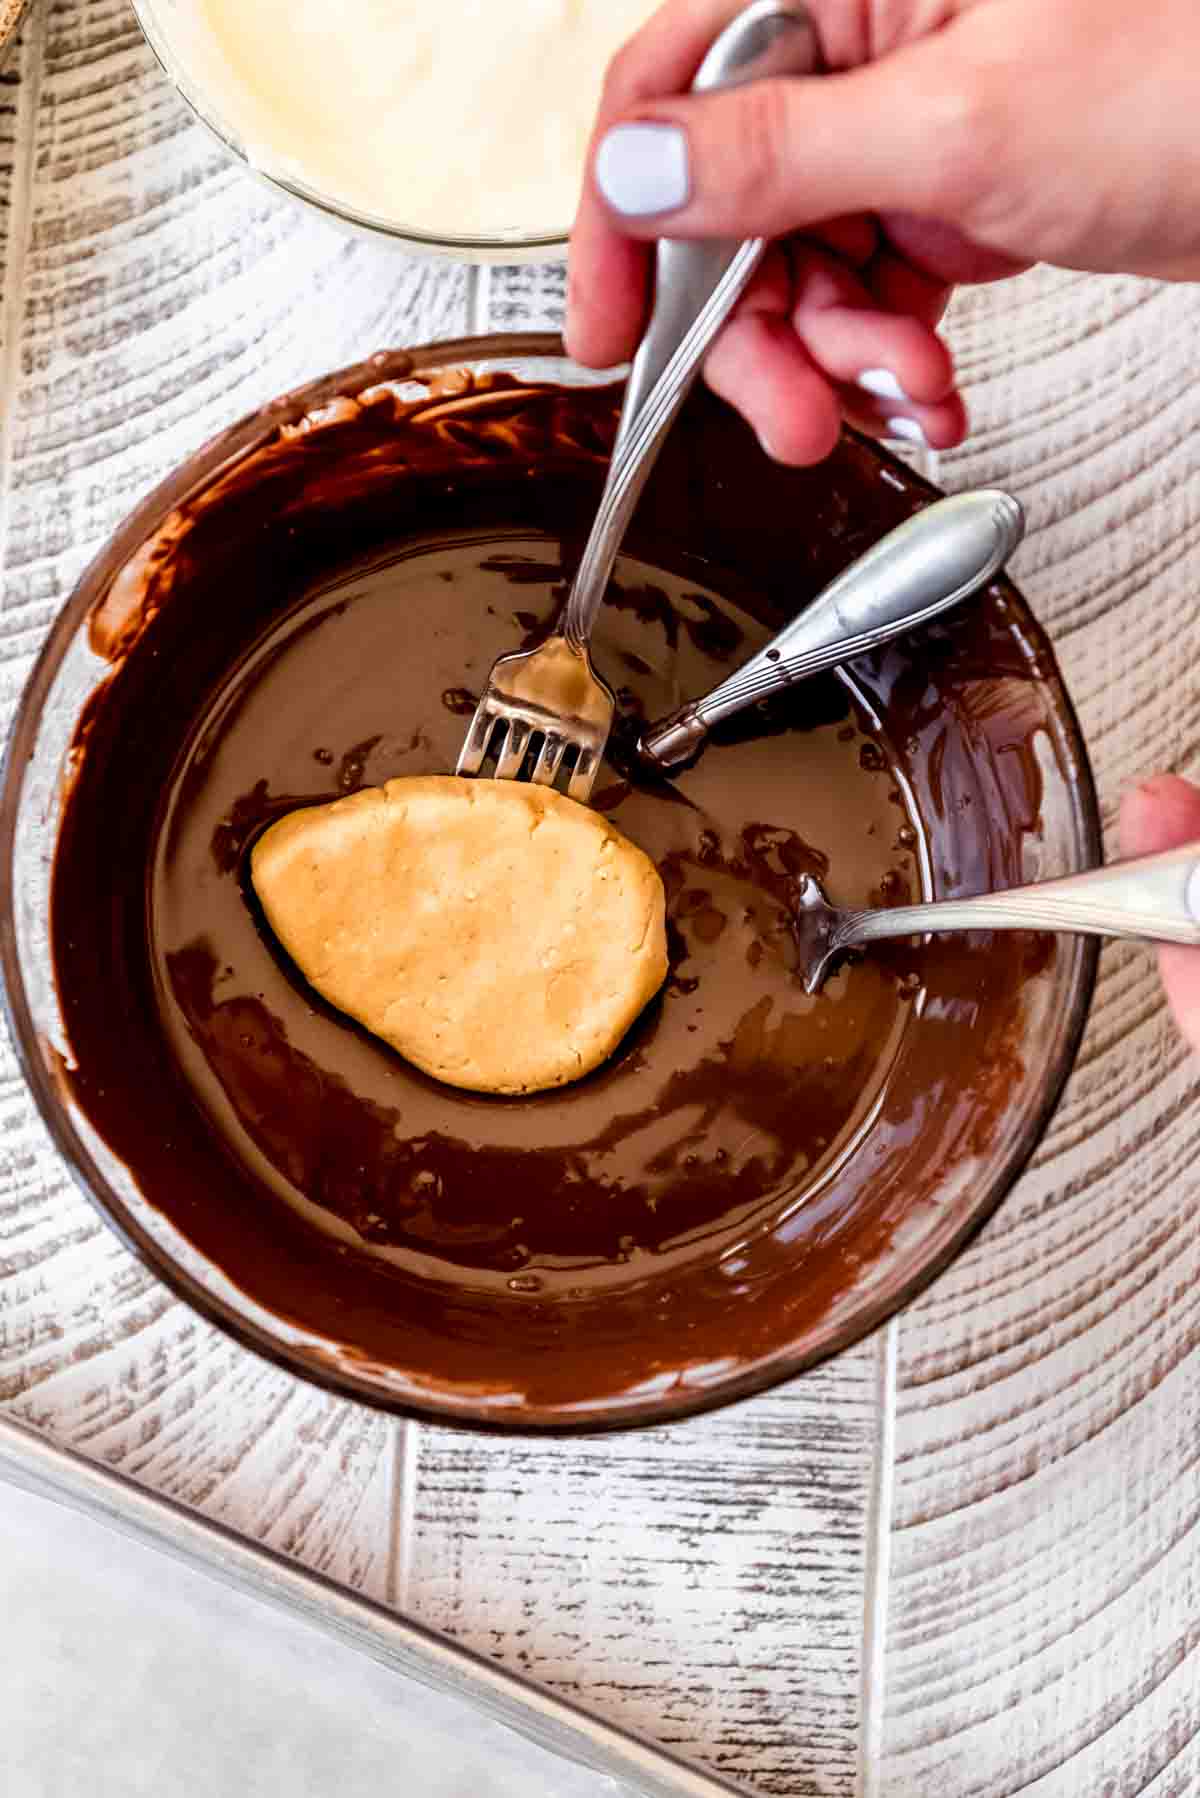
924	567
1155	899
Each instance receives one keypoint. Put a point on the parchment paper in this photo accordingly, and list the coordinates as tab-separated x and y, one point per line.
125	1674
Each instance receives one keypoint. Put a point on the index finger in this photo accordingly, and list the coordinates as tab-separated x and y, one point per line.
1164	813
608	273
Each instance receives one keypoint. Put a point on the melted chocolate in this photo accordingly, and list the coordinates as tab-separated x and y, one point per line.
322	618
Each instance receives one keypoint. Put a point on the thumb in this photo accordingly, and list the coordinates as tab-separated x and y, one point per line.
772	157
1164	813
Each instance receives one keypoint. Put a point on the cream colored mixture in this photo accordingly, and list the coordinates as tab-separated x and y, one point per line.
459	118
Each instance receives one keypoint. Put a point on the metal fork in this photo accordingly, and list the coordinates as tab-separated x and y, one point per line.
553	692
1155	899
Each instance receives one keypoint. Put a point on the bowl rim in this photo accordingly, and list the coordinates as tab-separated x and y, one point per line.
235	441
479	247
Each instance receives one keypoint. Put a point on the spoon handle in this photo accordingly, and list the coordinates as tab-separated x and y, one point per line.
1156	899
696	287
923	568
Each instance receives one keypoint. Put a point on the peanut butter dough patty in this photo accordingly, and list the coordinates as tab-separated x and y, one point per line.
498	935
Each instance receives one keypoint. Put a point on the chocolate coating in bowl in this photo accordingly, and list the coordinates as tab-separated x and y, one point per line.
322	619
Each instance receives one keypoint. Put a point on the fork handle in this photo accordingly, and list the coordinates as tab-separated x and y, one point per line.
765	40
1154	899
696	287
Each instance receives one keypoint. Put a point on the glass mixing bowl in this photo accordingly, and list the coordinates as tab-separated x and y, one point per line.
182	40
961	1172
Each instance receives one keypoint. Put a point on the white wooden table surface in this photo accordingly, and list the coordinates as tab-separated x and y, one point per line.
963	1559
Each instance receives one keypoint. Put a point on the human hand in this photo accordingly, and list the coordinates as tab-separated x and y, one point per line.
952	141
1164	813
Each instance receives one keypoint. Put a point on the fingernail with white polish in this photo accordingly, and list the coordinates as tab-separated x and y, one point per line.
907	429
642	170
882	383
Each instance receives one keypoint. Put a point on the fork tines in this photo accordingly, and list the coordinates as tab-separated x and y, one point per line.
515	741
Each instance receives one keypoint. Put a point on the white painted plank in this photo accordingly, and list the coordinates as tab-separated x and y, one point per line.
1045	1601
525	297
701	1584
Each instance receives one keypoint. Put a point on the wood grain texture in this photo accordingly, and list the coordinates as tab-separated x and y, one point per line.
702	1585
527	297
1044	1607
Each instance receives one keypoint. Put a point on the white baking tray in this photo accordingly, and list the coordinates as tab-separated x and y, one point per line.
148	1651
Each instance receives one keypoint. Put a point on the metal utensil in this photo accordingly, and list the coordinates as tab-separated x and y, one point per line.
1155	899
553	693
923	568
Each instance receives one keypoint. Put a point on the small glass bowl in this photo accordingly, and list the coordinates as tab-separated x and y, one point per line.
968	1185
180	38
